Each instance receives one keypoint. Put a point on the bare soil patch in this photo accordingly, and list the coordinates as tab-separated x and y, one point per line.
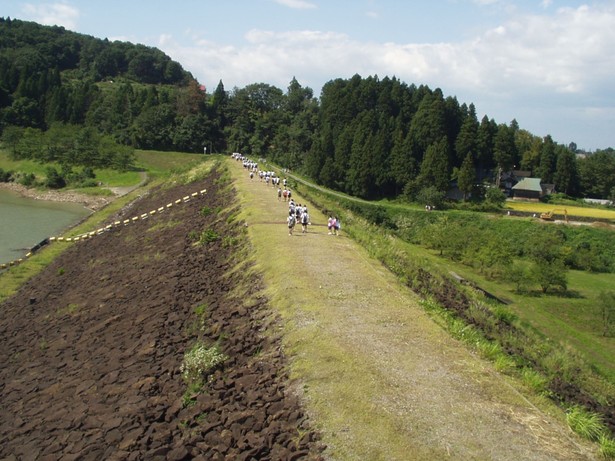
91	349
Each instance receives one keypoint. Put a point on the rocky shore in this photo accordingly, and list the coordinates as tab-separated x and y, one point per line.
89	201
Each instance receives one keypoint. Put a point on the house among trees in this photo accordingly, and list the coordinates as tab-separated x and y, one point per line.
531	189
508	179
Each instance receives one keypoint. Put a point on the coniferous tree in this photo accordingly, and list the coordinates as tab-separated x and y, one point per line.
435	166
485	142
428	124
466	177
403	165
504	152
467	139
548	160
566	175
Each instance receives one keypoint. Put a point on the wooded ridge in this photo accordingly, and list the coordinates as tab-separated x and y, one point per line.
369	137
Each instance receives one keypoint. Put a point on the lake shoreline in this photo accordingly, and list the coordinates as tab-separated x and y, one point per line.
88	201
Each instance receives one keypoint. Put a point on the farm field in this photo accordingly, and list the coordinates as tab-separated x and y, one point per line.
538	207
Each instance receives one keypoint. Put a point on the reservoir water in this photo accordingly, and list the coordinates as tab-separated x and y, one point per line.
24	222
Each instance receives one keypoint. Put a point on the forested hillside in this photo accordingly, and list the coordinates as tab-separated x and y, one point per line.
369	137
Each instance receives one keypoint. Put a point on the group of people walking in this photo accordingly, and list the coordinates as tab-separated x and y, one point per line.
297	213
334	225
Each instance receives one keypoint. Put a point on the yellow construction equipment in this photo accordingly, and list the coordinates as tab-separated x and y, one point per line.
549	215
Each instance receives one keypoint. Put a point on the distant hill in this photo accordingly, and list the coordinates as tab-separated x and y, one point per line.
51	75
29	51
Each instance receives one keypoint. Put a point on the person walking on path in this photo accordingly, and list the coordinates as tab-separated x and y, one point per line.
305	220
291	222
337	225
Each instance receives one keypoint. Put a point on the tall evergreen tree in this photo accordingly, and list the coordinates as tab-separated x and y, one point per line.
466	177
429	123
485	142
548	160
566	175
435	169
504	152
467	139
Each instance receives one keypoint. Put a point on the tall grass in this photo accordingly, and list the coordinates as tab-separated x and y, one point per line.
588	425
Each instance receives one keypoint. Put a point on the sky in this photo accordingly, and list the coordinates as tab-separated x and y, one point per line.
548	64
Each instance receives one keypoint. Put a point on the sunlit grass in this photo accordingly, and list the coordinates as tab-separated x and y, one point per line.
539	207
158	163
25	166
588	425
607	446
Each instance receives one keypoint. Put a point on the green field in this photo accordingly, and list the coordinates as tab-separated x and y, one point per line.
155	163
574	321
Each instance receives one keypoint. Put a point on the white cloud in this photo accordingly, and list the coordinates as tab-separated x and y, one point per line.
296	4
566	52
530	62
59	13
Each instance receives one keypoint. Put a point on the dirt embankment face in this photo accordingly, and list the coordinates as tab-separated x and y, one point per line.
91	348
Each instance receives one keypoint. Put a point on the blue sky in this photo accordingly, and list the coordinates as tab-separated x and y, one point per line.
549	64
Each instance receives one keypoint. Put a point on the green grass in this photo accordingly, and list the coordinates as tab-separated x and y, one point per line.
574	320
113	178
588	425
607	447
163	164
26	166
106	176
154	163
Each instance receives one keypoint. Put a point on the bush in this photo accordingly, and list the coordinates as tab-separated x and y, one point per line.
5	176
431	196
54	179
495	196
199	361
26	179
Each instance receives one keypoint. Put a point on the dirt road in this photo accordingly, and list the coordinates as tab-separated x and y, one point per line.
381	379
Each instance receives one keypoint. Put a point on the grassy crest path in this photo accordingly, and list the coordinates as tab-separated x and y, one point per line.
380	379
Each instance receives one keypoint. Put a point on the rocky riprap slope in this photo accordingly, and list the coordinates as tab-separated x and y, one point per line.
91	348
